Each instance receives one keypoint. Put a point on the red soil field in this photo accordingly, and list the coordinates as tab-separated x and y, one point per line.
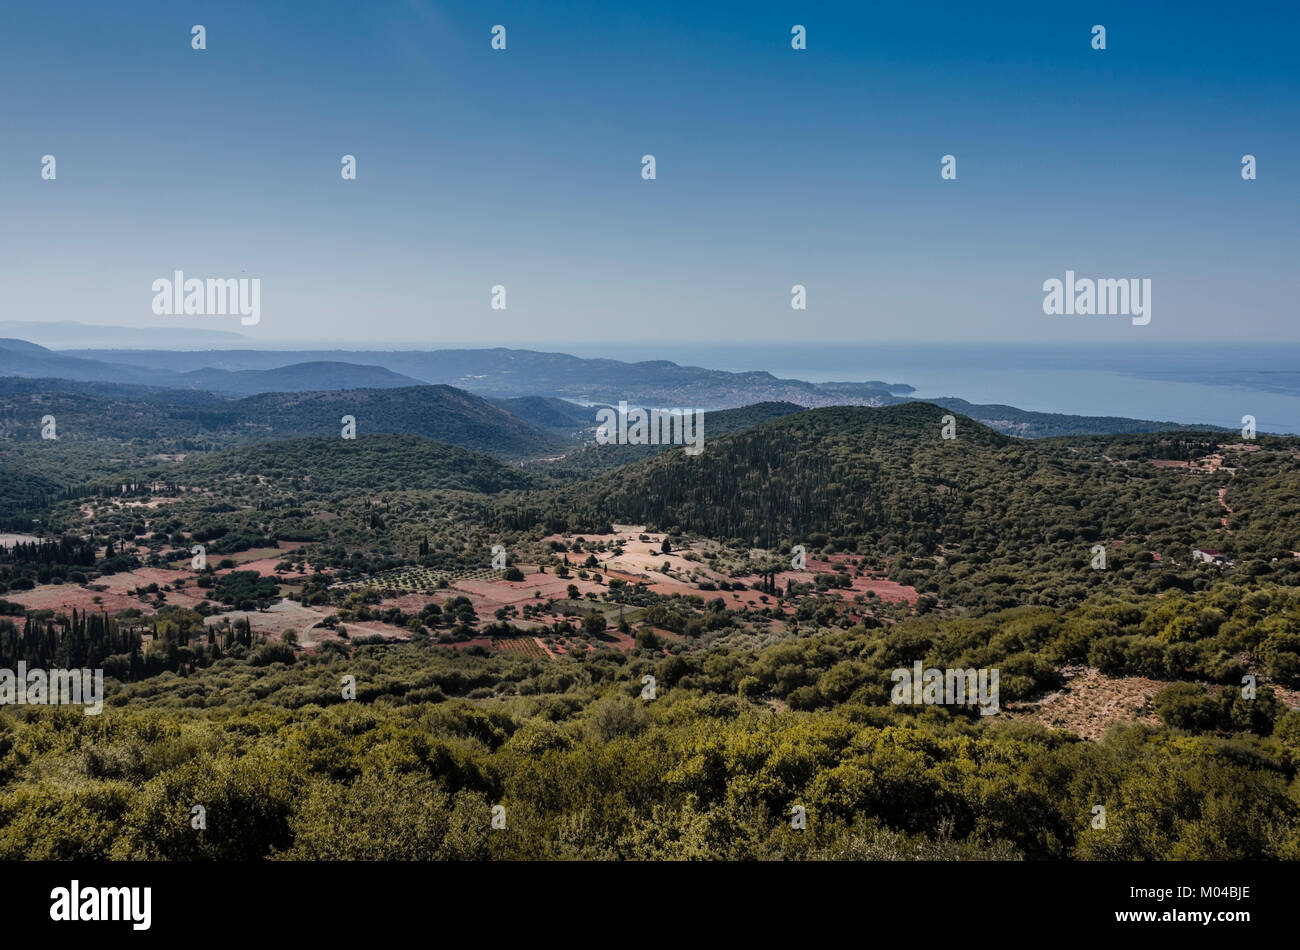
65	597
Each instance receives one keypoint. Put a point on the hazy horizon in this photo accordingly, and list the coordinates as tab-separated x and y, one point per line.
1188	383
236	340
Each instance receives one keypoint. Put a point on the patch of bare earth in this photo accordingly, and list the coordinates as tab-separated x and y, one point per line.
280	616
1289	697
115	595
1088	703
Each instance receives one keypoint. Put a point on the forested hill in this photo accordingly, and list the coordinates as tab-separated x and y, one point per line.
298	377
593	459
547	412
362	466
1017	518
438	412
1036	425
173	420
845	471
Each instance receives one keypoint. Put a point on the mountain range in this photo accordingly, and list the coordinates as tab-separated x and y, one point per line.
551	391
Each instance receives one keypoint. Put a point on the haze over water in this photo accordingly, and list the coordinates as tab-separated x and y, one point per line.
1214	384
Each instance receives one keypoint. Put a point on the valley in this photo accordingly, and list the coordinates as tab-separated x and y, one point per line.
695	641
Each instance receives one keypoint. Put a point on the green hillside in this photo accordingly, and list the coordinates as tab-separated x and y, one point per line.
173	420
365	465
982	520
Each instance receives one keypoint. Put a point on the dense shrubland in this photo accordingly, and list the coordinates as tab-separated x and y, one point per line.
285	766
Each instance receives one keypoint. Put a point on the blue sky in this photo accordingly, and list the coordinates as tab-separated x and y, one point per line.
775	167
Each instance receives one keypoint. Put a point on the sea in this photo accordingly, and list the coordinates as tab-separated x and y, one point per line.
1214	384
